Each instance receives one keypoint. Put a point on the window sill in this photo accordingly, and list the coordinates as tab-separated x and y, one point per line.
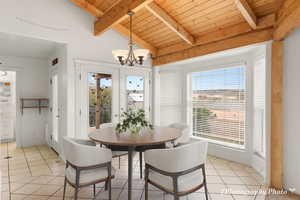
224	144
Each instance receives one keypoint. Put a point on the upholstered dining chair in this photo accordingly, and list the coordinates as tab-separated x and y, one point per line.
178	171
115	149
86	165
185	130
184	139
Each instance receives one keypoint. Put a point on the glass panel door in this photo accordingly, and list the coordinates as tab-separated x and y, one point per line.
100	99
97	98
135	90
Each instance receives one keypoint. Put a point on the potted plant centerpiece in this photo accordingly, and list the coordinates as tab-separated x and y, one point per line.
133	121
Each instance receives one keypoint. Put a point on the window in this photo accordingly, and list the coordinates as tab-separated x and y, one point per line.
259	89
219	105
135	92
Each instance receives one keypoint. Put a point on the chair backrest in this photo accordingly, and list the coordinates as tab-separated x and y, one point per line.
107	125
84	155
184	128
178	159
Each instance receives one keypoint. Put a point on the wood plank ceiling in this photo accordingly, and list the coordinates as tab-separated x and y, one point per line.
169	26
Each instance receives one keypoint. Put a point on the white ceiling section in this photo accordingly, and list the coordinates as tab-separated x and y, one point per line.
14	45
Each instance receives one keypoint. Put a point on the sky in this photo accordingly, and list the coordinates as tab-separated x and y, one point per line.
229	78
133	82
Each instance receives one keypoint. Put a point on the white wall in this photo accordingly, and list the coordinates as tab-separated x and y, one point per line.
61	21
32	81
291	99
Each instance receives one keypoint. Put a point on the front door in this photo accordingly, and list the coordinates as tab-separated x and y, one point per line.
134	90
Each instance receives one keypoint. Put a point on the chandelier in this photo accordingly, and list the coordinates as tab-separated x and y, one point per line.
132	56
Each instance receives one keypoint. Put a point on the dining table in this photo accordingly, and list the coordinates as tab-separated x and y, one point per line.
129	141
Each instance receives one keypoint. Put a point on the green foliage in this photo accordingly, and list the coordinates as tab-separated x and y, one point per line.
133	120
203	114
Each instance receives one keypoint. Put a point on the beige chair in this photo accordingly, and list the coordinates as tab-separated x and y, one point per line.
185	130
86	165
178	171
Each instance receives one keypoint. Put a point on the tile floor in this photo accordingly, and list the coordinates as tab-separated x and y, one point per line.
38	173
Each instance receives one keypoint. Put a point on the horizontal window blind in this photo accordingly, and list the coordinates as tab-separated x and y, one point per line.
219	104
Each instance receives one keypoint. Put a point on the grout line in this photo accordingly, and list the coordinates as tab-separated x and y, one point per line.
45	161
26	161
8	173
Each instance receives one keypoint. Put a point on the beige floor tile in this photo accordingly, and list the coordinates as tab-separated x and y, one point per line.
249	180
28	189
197	196
243	197
16	186
18	197
69	192
232	180
47	190
43	179
31	197
216	188
213	179
238	189
115	193
4	187
226	172
5	196
21	179
136	194
118	183
221	197
154	195
58	180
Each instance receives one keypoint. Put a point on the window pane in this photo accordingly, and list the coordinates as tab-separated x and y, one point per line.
218	99
100	98
135	92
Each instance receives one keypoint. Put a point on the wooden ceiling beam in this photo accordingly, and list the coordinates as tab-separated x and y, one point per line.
247	12
170	22
226	44
88	7
221	34
288	21
117	13
118	27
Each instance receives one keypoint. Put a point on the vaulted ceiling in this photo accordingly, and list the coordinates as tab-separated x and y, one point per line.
171	28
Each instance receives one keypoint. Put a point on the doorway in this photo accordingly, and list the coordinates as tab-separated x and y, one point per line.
104	92
7	106
100	99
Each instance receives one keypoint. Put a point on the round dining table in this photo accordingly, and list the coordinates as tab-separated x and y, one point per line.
156	136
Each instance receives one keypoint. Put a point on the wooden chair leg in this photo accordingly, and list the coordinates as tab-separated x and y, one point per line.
76	193
146	183
94	187
141	165
204	182
65	186
106	185
109	188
